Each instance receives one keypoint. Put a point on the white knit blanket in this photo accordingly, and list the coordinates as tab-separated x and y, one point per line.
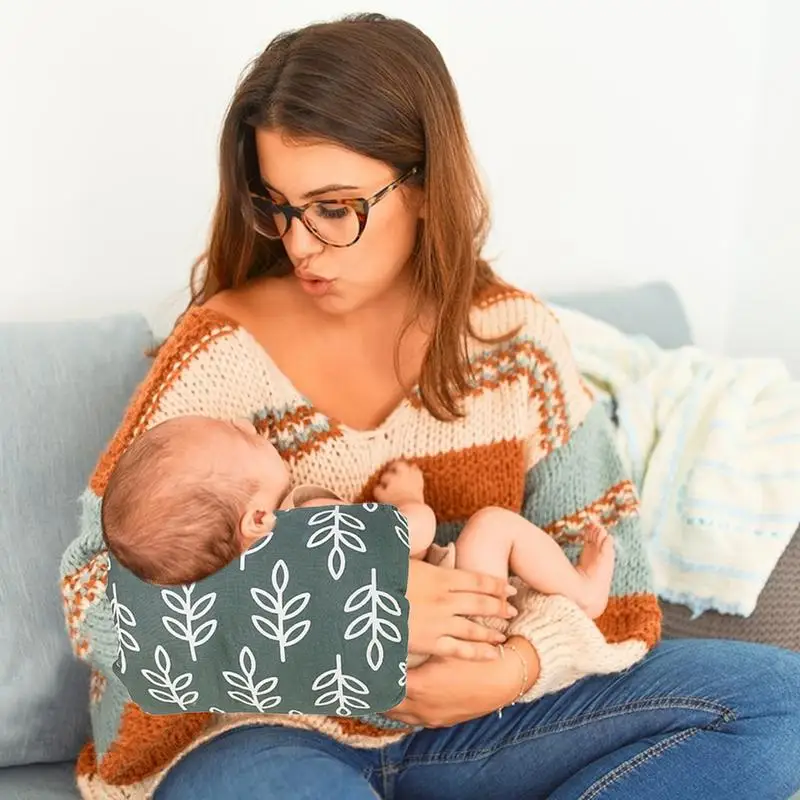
713	444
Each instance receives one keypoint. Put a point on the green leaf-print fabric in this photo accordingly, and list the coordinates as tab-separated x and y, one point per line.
313	619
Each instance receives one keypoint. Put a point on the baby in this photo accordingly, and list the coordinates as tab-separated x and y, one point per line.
191	494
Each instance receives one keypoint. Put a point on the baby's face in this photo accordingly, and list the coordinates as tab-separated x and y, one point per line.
231	453
250	457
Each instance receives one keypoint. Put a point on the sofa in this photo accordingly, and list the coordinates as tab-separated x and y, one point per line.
64	387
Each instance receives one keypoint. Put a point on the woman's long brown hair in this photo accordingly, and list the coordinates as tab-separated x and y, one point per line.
379	87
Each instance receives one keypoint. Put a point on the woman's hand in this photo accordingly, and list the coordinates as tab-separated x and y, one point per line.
440	600
445	691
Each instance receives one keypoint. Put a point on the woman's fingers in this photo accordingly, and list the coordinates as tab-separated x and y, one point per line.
450	647
470	631
467	640
462	580
479	605
441	603
474	594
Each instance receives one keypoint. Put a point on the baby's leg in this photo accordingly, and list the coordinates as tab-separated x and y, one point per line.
495	538
403	485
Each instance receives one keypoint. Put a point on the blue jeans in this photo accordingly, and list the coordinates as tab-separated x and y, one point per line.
695	719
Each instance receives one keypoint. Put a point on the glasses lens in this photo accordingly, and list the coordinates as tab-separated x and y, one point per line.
335	223
269	220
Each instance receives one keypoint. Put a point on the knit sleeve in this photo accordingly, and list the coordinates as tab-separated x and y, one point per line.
575	477
206	367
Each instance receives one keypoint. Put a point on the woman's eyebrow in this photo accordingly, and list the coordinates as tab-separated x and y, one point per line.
331	187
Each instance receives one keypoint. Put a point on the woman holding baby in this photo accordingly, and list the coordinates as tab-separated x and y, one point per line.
343	307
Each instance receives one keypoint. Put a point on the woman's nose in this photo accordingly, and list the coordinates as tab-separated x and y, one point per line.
300	243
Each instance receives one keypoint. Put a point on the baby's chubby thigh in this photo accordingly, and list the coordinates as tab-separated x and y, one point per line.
484	544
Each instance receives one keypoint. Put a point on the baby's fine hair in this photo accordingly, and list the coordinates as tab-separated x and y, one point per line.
165	515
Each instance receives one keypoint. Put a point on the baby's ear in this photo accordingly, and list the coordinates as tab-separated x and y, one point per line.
254	525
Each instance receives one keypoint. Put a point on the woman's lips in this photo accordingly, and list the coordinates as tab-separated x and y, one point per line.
314	285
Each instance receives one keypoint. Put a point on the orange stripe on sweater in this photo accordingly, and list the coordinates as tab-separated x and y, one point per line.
459	483
143	745
635	616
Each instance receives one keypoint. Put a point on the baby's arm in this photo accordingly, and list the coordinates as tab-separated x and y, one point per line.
403	485
495	538
317	501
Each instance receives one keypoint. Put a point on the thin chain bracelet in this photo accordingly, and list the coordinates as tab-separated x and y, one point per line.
524	675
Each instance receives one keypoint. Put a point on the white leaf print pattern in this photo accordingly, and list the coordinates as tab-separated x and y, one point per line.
169	690
122	615
401	681
254	549
370	507
190	611
339	520
370	621
402	529
247	692
339	694
283	611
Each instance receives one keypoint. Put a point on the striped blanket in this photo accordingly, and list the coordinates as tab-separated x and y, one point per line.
713	443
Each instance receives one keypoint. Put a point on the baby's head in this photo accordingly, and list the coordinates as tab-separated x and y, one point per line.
189	495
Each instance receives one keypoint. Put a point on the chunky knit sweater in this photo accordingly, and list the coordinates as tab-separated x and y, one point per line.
532	440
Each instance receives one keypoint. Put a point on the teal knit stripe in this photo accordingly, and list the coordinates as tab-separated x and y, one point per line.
575	475
578	475
90	542
97	627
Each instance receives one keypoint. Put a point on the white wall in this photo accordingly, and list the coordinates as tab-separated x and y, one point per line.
621	141
765	303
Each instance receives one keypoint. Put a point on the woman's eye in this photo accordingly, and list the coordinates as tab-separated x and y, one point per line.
331	210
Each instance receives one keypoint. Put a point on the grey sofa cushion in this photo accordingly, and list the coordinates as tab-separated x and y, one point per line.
653	309
64	388
39	782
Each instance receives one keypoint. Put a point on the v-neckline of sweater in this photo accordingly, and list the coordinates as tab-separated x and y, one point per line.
398	411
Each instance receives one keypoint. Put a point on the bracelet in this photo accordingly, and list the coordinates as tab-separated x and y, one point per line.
524	682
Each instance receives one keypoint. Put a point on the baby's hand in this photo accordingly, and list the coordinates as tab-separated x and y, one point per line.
401	483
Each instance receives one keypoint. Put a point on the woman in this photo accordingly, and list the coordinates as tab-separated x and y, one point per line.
343	305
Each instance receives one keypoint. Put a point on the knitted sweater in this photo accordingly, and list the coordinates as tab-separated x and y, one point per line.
532	441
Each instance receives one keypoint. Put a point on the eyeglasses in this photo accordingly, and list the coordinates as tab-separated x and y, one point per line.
339	223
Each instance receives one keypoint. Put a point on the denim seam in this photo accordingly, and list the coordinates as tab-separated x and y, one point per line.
642	705
651	753
388	772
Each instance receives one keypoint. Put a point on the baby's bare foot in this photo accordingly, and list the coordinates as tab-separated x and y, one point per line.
596	564
400	483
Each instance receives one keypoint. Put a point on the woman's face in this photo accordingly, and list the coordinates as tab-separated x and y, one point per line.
340	279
